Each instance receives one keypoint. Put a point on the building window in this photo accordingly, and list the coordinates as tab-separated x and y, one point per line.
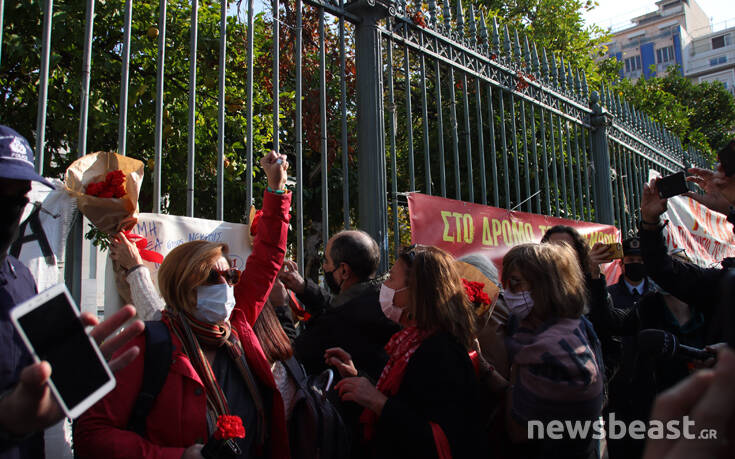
632	64
664	55
717	61
718	42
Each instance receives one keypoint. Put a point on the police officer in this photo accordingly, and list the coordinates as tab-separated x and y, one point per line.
634	283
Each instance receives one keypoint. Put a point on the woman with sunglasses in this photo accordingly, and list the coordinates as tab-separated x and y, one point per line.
218	366
426	400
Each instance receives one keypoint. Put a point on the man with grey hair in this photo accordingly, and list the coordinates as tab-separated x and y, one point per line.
350	316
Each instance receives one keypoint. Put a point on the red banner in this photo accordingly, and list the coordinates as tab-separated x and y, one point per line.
462	228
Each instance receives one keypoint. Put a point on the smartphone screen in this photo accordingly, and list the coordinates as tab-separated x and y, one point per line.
55	334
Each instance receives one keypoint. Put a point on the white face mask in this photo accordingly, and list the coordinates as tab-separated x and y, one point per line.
214	302
386	302
519	303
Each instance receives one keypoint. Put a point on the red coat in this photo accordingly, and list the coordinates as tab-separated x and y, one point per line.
178	417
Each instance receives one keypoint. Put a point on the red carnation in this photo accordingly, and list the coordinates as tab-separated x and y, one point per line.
475	292
229	427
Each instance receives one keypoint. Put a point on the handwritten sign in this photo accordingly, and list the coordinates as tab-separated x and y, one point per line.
166	232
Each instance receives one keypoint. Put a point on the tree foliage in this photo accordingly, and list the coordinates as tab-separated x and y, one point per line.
558	26
702	115
19	89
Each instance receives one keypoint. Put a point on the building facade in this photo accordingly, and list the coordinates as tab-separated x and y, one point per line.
659	39
711	57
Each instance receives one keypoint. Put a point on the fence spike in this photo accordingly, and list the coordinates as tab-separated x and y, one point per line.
517	55
535	64
604	96
527	53
483	33
610	99
545	70
460	22
617	108
585	87
496	38
553	70
626	112
447	14
506	44
562	74
570	78
432	13
472	25
577	84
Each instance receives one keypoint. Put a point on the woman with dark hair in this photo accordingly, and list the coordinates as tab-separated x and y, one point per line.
426	400
589	259
218	366
555	373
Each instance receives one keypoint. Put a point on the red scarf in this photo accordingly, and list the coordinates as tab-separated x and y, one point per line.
400	348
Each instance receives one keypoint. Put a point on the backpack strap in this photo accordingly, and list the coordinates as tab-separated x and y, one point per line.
158	353
296	371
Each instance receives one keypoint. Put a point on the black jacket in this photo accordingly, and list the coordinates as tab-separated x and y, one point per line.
698	287
439	386
352	320
621	296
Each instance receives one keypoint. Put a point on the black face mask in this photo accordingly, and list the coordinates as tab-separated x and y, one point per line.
332	284
10	213
635	271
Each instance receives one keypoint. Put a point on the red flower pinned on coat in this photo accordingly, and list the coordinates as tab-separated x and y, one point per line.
113	186
475	292
229	427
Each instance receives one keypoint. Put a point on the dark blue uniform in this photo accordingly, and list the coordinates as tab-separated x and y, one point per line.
16	285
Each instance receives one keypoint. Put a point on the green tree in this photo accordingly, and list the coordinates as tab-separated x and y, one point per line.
19	85
558	26
702	115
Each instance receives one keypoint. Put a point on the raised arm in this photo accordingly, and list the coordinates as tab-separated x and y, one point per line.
269	246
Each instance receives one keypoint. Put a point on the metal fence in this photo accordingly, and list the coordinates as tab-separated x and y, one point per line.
441	101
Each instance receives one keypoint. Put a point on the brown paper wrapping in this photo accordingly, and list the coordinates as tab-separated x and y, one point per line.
107	214
110	215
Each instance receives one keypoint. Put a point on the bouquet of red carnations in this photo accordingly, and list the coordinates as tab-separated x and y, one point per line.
106	187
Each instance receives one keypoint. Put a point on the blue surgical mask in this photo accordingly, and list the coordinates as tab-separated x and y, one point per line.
214	302
519	304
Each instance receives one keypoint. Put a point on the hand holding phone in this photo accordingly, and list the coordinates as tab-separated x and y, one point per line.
50	327
672	185
615	251
30	406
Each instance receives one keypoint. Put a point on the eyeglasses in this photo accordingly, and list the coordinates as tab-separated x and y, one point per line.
231	276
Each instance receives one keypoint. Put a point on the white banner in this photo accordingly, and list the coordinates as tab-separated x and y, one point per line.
706	236
45	225
166	232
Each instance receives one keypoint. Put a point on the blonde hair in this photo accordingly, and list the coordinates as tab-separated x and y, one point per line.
184	269
438	299
553	272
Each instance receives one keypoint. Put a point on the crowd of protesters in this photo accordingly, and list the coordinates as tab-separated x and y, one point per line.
438	358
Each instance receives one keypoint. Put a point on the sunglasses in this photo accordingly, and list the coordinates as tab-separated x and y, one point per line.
409	253
231	276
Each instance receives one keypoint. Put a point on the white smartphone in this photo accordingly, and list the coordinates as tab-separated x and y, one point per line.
50	327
